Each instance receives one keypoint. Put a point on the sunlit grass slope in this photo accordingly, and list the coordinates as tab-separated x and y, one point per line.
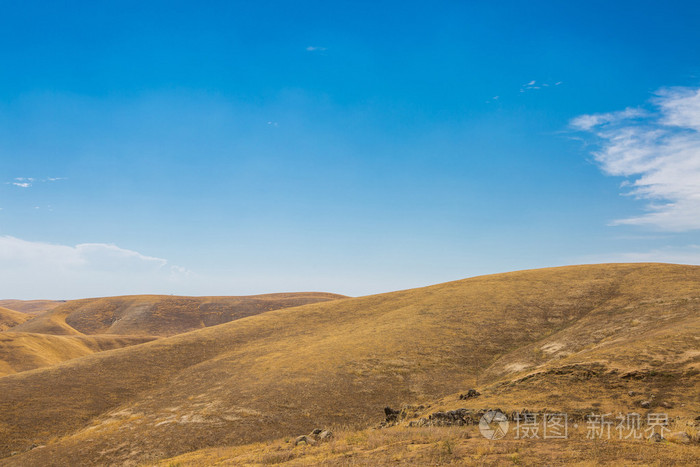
21	351
432	446
30	306
11	318
158	315
514	336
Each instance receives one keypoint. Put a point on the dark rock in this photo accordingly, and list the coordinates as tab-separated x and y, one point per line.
458	417
656	437
645	404
325	435
392	416
470	394
667	405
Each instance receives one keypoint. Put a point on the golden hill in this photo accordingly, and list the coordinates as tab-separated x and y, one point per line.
30	306
11	318
158	315
439	445
571	338
26	351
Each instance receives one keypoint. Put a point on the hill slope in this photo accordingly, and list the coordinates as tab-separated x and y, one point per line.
30	306
158	315
11	318
516	336
26	351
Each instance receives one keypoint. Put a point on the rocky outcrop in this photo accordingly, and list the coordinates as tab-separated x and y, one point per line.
464	416
459	417
393	416
470	394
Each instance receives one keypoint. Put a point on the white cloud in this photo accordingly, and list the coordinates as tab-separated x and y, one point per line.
532	85
312	48
659	152
587	122
689	254
38	269
26	182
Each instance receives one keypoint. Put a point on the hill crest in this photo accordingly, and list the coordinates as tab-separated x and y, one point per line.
338	363
158	315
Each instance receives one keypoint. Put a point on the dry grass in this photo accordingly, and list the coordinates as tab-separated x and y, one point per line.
546	338
441	446
158	315
10	318
31	307
25	351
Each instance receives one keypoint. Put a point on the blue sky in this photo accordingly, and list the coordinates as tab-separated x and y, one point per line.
354	147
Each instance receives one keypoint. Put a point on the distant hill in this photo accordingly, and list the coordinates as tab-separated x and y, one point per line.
576	338
11	318
30	306
158	315
25	351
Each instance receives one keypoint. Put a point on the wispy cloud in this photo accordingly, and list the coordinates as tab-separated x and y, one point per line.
588	122
26	182
313	48
22	182
30	267
658	150
534	85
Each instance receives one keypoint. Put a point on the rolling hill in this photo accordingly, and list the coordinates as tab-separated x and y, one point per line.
44	339
570	338
30	306
11	318
158	315
27	351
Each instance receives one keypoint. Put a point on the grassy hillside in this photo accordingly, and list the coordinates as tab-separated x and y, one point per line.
37	341
430	446
158	315
30	306
11	318
25	351
564	338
